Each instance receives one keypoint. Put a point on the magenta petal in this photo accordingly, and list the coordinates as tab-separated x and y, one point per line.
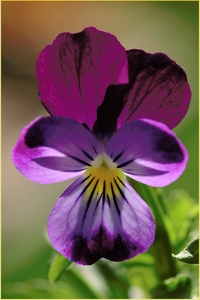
148	152
158	89
85	228
53	149
75	70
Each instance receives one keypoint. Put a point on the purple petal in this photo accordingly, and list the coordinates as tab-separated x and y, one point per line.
53	149
90	221
75	70
158	89
148	152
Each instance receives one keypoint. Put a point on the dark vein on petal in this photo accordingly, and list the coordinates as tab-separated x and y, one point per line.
121	181
114	199
100	236
80	160
85	179
71	171
83	191
104	190
125	163
86	187
97	202
89	200
118	156
147	92
87	154
120	190
94	149
108	199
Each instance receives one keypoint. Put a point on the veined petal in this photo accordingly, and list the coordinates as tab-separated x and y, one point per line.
159	89
75	70
90	221
53	149
148	152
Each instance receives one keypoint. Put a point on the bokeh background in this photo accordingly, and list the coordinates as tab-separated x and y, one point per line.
27	27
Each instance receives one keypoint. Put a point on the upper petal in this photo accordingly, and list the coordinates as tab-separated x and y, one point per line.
88	223
158	90
148	152
53	149
75	70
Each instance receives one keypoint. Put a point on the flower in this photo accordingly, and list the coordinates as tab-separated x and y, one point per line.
107	106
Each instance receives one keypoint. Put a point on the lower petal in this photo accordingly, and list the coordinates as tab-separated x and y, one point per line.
88	224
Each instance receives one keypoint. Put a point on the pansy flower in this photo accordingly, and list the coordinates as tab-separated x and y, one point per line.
106	107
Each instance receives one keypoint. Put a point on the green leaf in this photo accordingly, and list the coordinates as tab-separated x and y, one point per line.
38	289
190	254
183	213
57	266
173	288
145	260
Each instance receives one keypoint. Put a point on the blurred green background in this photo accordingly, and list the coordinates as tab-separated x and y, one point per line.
169	27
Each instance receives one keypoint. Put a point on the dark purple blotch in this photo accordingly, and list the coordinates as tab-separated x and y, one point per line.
169	147
34	136
117	250
109	111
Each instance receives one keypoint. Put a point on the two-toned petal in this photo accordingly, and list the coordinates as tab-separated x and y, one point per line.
148	152
53	149
74	72
159	89
89	221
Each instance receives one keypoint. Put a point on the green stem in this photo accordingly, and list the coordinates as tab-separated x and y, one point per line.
75	280
117	282
162	250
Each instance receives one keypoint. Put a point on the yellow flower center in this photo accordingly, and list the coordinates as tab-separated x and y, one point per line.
104	178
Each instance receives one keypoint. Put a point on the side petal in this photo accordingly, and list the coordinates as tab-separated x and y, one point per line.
148	152
75	70
53	149
158	89
86	227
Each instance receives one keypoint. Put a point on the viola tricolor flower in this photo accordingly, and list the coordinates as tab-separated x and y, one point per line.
106	107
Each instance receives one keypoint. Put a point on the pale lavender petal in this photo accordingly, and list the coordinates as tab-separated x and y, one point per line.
75	70
148	152
84	226
53	149
159	89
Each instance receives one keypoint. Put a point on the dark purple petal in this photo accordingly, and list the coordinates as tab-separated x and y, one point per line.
53	149
89	222
148	152
75	70
158	89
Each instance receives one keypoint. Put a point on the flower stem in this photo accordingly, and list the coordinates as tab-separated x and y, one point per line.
161	248
117	282
74	279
